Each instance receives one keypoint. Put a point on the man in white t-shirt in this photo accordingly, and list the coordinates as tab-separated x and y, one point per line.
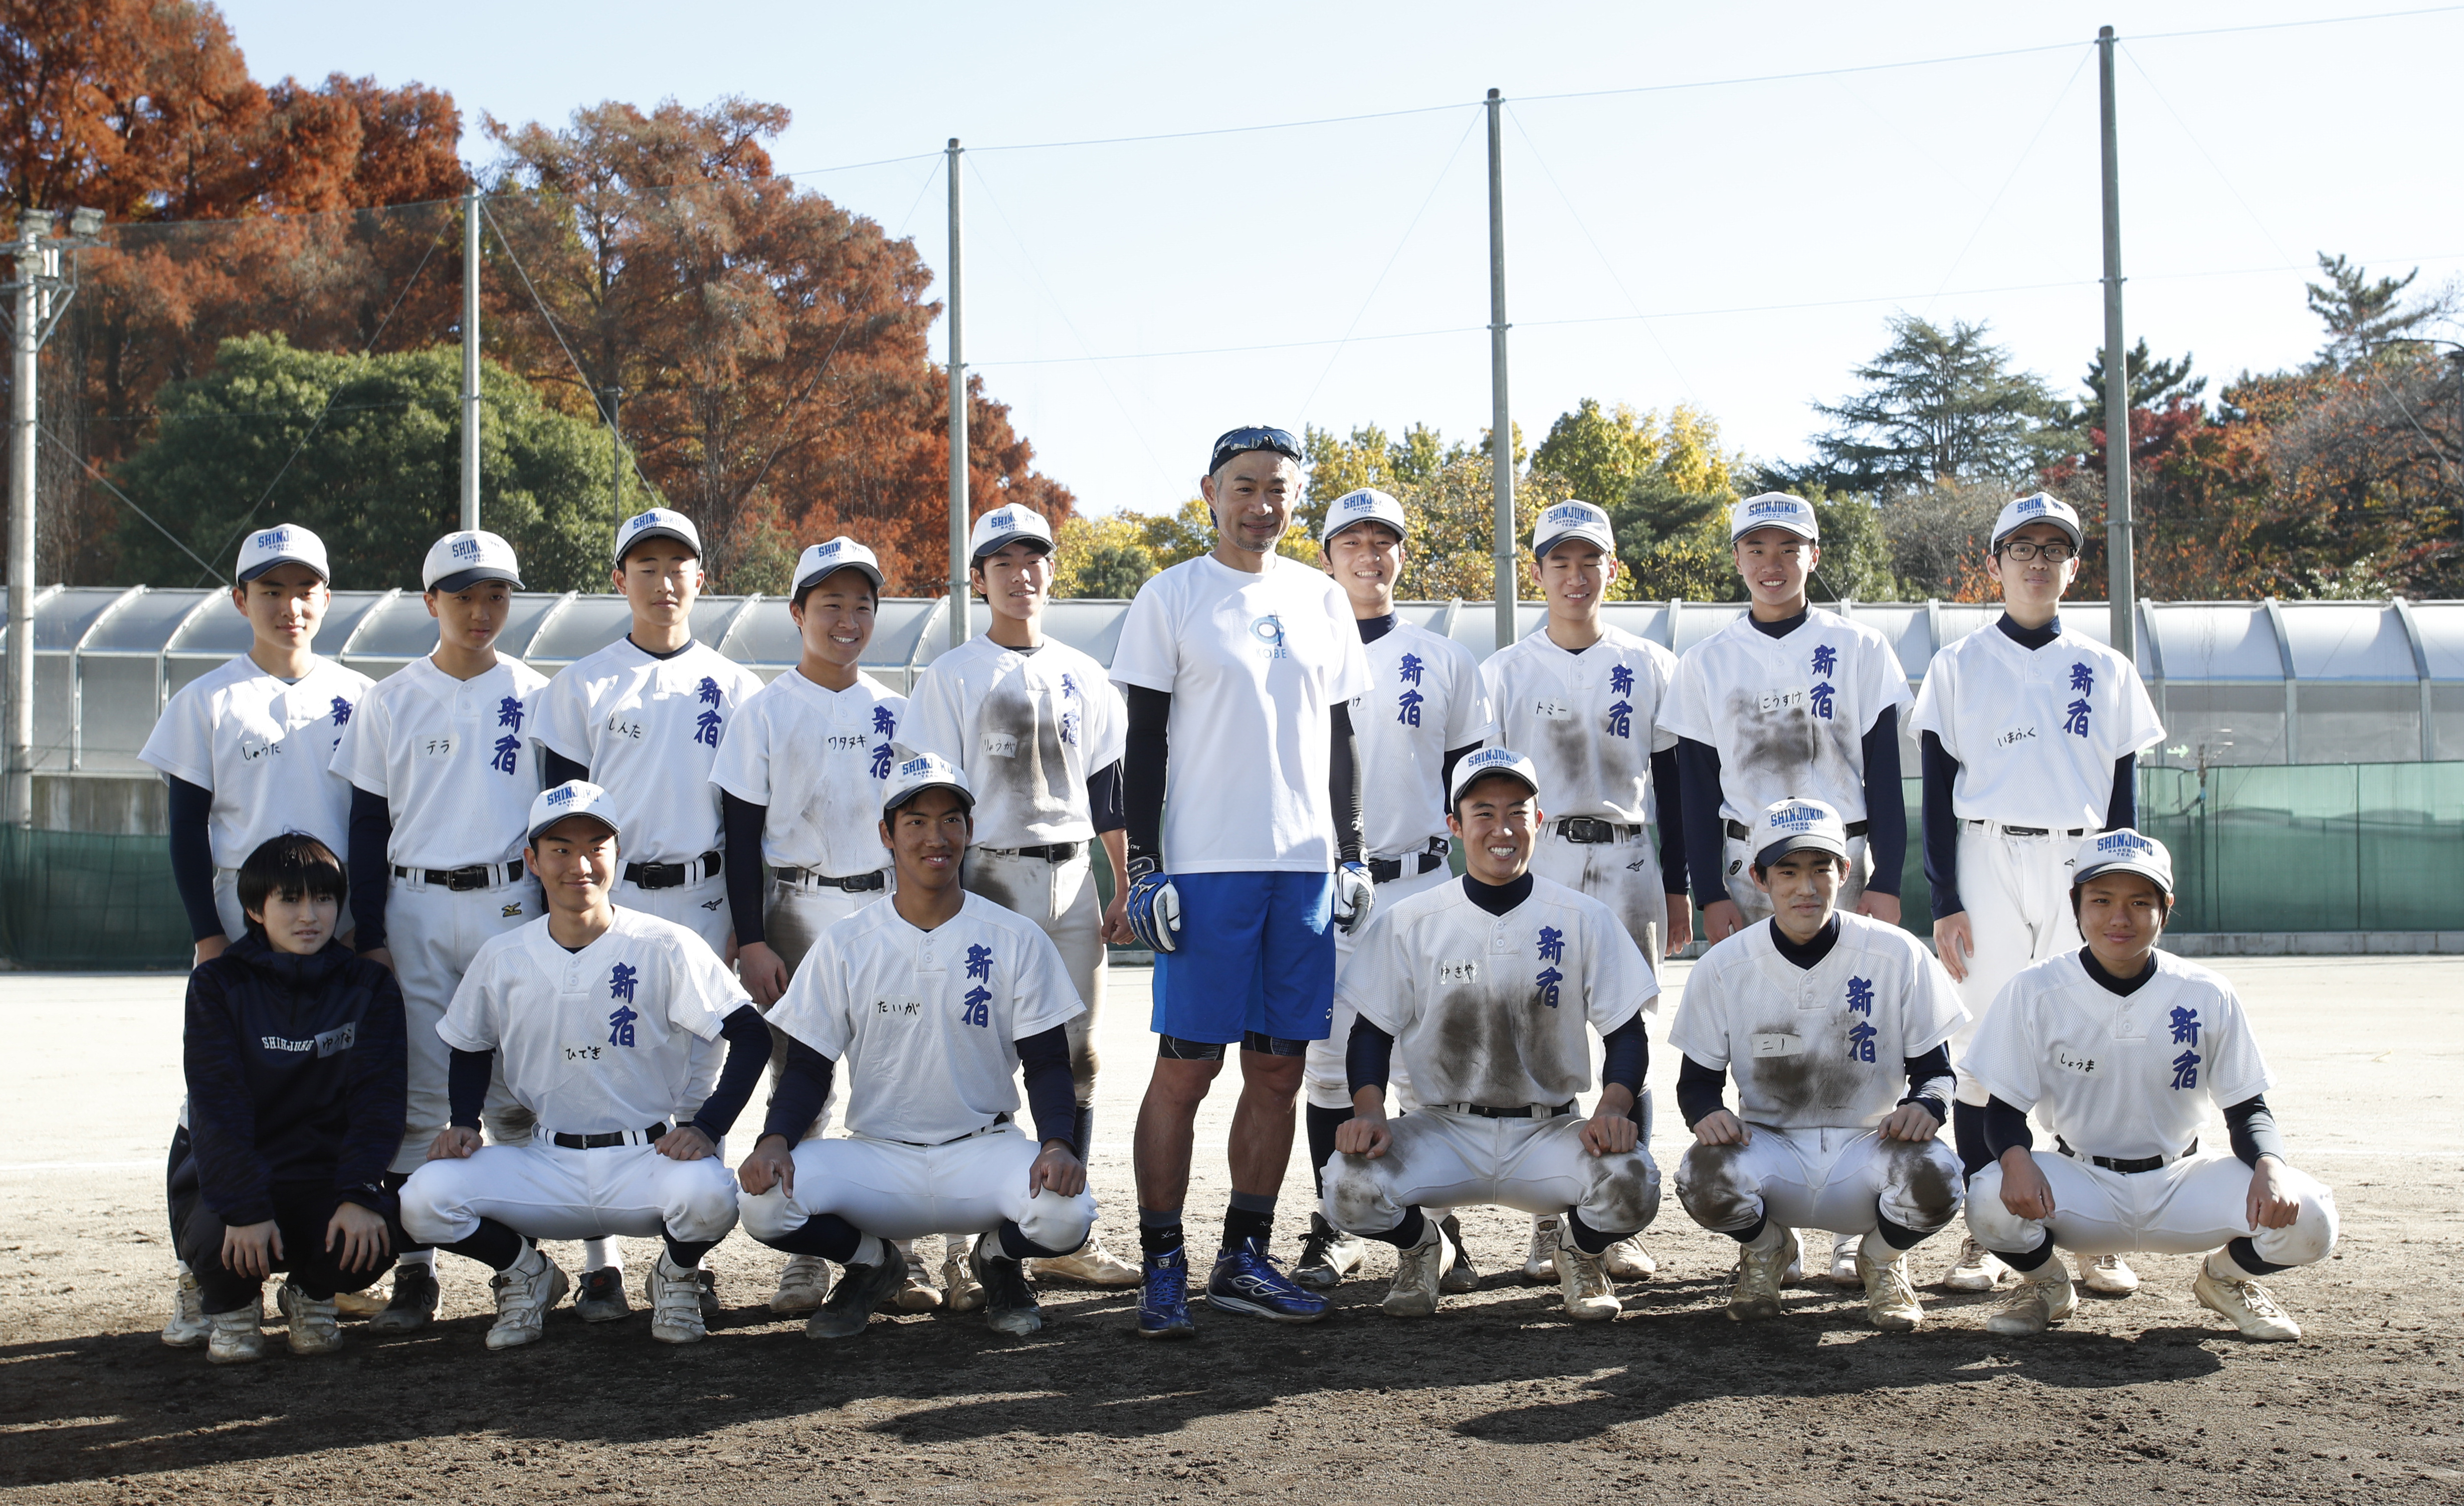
1038	730
2029	737
443	761
935	1000
246	750
1426	711
1239	667
2123	1049
1822	1018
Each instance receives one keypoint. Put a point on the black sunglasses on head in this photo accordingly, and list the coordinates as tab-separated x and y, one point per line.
1244	441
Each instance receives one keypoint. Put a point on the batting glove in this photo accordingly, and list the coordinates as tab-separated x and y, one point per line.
1155	906
1355	895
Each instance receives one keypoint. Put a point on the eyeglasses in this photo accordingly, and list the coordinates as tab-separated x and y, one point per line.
1244	441
2030	549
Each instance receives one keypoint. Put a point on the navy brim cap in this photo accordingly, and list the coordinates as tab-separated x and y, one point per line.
994	546
649	533
562	816
278	562
465	580
1803	842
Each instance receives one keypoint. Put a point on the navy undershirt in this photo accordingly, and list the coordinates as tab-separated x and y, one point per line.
1374	628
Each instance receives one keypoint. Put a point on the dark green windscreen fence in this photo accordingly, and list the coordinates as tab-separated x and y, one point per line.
89	901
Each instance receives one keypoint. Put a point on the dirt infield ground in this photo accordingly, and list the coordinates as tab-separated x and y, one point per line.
1499	1399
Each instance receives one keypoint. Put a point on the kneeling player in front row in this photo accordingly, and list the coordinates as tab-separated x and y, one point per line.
1487	982
935	999
597	1012
1817	1012
2123	1047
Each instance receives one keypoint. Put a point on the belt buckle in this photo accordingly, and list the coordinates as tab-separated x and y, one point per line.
662	875
462	881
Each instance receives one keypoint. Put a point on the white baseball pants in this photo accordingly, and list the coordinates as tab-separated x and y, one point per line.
546	1191
896	1190
1442	1160
1833	1179
1061	899
1623	875
1736	866
433	933
2017	890
1329	1084
2195	1205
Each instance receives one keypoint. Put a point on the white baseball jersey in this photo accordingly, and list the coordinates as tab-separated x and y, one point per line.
819	760
2036	731
648	729
265	747
598	1040
455	761
1026	729
2119	1074
1253	665
926	1024
1820	1047
1490	1008
1787	715
1589	722
1426	697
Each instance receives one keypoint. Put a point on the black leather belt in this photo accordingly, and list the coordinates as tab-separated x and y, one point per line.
670	875
1593	829
477	876
853	883
1054	852
2128	1167
618	1137
1744	833
1411	865
1519	1111
2033	831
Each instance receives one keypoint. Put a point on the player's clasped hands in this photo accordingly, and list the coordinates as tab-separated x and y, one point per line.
684	1142
1909	1122
454	1142
1056	1170
1719	1127
1611	1131
771	1165
1364	1133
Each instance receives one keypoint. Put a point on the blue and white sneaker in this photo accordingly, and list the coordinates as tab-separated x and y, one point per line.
1163	1302
1246	1281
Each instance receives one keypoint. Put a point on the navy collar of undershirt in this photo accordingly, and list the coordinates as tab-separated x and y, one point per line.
2030	637
1809	954
1498	898
2126	987
1374	628
654	653
1781	628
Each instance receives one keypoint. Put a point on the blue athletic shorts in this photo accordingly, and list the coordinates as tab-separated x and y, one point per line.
1256	954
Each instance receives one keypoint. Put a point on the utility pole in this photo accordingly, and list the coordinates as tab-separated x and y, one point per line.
2122	589
615	457
958	612
470	361
1501	433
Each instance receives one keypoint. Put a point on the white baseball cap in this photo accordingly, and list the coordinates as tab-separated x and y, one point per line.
2037	506
915	773
659	522
2124	851
1004	526
458	561
572	797
1795	825
282	544
1492	760
1367	505
1775	510
820	561
1571	518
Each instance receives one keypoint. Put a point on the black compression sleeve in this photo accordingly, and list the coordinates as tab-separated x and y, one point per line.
2007	1129
1104	799
1701	1091
371	834
1705	836
1446	772
1668	796
1051	1095
2123	810
466	1087
560	768
1941	825
1368	1055
748	1051
1143	763
1628	1057
743	821
1887	806
802	1091
1930	1083
193	856
1343	782
2252	1124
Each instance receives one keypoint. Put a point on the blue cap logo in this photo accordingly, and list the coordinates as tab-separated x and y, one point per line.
562	794
1570	512
1773	505
643	521
1001	522
465	548
915	766
825	551
1795	816
2119	843
274	539
2034	504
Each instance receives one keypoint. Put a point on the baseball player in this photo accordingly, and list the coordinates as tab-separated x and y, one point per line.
1788	700
443	765
294	1058
1587	701
1487	982
594	1011
2122	1048
936	1001
1819	1015
643	718
245	750
799	777
2029	737
1240	667
1036	730
1427	710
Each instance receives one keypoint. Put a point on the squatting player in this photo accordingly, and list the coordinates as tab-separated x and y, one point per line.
1239	667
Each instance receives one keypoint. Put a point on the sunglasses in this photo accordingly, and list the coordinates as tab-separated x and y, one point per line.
1244	441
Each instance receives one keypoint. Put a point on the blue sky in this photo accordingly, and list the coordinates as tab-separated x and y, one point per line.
1737	247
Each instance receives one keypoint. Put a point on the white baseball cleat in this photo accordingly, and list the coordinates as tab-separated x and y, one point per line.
1417	1272
316	1325
1627	1261
803	1285
1760	1274
1975	1269
189	1326
1328	1255
525	1291
674	1292
1540	1262
236	1339
2044	1298
1844	1271
1890	1297
1583	1280
961	1292
1090	1265
2247	1303
2110	1275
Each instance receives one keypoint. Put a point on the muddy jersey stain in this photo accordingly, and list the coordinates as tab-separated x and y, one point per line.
1037	773
1818	1085
1498	1045
1785	749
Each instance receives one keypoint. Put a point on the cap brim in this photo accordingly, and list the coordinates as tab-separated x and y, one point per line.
1494	774
2078	538
994	546
1807	843
818	575
649	533
1541	549
252	573
2126	866
965	796
555	821
1812	535
465	580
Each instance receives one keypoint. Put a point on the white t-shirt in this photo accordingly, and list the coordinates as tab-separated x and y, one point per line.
1425	699
598	1040
1253	664
2035	730
1589	722
265	747
1787	715
1824	1047
456	761
926	1024
1027	729
648	729
1490	1008
819	760
2122	1076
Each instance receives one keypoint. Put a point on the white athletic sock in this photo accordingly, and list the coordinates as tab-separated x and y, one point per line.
425	1257
955	1247
530	1262
1768	1239
1876	1249
2221	1265
873	1249
184	1269
601	1255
